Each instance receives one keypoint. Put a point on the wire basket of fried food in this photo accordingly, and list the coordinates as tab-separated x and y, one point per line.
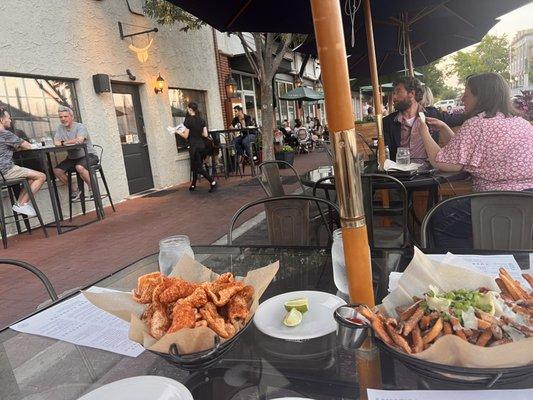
192	316
478	337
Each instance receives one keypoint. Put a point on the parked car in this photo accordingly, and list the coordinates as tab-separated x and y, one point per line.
445	105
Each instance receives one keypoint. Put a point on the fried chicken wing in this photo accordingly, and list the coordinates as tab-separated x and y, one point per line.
145	287
238	308
216	322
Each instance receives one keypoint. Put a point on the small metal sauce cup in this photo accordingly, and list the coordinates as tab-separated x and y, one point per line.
350	334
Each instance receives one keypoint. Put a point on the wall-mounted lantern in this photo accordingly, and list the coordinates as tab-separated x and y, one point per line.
159	84
231	87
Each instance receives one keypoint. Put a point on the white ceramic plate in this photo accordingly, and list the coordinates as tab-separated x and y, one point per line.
141	388
317	322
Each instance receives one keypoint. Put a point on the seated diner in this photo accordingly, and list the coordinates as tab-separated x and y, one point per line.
494	145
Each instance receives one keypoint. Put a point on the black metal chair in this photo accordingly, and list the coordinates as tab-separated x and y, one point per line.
392	238
35	271
500	220
96	168
9	185
271	179
287	218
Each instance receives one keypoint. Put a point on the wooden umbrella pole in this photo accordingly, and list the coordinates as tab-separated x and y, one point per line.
332	53
371	49
334	68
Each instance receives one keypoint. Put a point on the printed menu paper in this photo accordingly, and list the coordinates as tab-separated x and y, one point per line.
518	394
79	322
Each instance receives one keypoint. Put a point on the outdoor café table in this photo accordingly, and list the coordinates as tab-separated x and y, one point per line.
257	367
429	182
227	145
43	153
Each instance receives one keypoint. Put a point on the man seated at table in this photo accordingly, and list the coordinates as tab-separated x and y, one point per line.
69	133
402	127
242	142
9	143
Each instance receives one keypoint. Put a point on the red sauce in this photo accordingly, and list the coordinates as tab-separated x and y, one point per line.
356	320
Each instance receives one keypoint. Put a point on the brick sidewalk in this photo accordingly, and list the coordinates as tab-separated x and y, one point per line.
79	257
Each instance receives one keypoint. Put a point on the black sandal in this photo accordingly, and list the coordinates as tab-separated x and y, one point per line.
191	188
213	187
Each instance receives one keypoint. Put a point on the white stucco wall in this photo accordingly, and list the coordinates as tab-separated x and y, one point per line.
79	38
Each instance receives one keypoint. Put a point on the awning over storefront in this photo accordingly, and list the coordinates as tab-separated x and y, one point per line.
240	63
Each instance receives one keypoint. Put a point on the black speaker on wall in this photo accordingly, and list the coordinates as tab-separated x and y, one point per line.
101	83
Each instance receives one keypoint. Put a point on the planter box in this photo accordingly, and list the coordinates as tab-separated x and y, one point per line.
287	157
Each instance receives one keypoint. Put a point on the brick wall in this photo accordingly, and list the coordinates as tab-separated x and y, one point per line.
223	72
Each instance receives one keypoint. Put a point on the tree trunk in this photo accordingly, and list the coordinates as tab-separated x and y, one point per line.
267	119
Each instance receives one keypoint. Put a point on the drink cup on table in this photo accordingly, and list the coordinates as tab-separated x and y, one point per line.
171	249
403	156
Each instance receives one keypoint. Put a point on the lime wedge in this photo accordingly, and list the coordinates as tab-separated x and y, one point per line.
293	318
301	304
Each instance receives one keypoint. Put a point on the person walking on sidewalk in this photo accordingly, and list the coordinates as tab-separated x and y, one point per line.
195	132
9	142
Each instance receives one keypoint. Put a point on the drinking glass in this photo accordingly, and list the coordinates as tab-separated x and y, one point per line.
403	156
337	259
170	251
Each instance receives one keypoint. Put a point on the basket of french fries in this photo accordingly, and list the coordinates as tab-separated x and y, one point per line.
192	316
452	324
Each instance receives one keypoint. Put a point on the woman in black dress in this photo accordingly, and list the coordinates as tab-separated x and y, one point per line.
195	133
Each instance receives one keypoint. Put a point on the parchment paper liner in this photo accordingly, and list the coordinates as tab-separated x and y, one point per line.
188	341
450	349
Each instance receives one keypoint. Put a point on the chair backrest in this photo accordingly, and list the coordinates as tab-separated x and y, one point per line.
500	220
368	181
287	219
270	177
100	151
329	152
35	271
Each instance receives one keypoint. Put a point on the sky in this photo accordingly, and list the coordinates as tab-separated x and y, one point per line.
517	20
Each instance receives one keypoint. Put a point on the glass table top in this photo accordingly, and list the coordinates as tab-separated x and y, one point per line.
256	367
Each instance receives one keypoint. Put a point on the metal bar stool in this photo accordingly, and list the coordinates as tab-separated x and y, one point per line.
8	184
95	168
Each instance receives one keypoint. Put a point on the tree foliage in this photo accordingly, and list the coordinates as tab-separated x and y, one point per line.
434	79
490	55
166	13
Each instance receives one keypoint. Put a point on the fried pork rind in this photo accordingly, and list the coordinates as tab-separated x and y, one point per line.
173	304
145	287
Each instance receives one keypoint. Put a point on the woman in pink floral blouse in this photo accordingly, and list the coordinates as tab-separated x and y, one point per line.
493	145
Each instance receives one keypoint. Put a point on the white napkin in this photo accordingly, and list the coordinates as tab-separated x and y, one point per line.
176	129
390	165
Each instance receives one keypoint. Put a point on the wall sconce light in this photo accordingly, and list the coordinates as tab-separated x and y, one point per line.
298	81
231	87
159	84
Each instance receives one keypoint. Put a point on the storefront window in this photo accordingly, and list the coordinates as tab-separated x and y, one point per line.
179	98
246	91
33	103
286	109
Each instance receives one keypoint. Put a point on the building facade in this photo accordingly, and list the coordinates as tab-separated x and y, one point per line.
50	54
521	61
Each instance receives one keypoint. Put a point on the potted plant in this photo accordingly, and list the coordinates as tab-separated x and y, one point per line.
285	153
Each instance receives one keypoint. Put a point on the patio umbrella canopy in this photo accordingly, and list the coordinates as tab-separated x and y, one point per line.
435	27
303	94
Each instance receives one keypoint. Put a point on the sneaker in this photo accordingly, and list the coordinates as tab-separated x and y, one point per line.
90	196
25	209
75	195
